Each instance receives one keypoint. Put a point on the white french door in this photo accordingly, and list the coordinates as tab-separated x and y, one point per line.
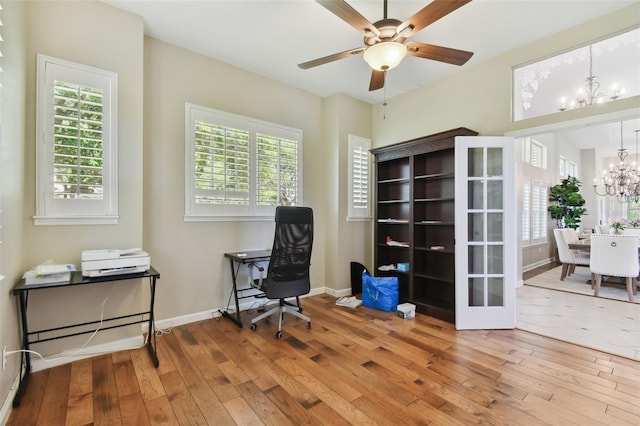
485	232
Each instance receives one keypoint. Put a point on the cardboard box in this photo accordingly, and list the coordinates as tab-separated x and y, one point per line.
404	267
406	310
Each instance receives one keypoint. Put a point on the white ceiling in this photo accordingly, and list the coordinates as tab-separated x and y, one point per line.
270	37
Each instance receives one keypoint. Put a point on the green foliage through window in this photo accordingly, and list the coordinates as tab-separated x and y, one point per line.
78	143
239	166
221	164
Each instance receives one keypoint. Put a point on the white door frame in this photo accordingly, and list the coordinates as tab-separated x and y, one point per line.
559	127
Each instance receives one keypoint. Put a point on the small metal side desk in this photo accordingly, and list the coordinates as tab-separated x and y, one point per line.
237	259
22	290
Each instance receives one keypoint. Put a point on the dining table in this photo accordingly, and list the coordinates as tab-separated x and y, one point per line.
585	245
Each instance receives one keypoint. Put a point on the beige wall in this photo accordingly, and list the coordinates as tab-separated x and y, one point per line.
478	97
155	80
12	187
113	42
91	42
344	116
190	255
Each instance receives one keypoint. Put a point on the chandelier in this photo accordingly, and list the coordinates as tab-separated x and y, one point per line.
590	94
621	180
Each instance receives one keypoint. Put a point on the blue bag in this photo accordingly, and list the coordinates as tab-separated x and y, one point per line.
380	292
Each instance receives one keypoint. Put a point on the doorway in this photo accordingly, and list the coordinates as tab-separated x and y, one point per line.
580	132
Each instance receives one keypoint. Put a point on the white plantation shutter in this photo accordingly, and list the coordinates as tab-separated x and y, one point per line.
77	144
222	164
534	212
237	167
538	212
359	172
277	171
534	153
526	211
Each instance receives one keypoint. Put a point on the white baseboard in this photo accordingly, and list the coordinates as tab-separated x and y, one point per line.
337	293
526	268
66	357
245	305
7	405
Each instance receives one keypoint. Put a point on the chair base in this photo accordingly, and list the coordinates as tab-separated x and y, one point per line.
282	308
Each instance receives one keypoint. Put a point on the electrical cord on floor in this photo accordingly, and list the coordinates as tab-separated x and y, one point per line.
80	349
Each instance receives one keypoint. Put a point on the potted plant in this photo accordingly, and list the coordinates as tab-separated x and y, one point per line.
567	210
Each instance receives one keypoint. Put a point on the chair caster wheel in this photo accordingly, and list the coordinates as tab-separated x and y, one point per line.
309	324
278	334
253	327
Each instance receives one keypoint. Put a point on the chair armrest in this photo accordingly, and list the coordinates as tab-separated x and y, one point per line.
257	283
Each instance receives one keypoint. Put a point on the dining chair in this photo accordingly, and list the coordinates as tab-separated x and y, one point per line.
615	256
569	258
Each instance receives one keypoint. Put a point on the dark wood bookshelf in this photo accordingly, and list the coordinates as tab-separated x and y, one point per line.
415	203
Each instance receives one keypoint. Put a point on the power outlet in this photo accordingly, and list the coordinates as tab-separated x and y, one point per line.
4	358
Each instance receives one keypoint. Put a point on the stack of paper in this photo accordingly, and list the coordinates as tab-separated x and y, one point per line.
49	273
349	302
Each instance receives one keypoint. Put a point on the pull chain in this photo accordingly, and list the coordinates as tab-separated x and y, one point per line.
384	100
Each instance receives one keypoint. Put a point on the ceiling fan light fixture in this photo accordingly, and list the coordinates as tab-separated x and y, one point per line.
385	55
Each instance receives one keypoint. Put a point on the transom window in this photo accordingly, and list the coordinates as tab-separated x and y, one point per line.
561	82
534	153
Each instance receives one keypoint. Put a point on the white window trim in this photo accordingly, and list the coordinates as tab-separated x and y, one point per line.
220	212
527	149
357	213
48	212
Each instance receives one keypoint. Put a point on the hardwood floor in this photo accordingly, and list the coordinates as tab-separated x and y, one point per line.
358	366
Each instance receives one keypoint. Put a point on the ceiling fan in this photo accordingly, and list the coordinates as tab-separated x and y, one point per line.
384	40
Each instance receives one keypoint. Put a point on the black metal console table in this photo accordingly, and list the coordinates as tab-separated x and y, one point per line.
22	290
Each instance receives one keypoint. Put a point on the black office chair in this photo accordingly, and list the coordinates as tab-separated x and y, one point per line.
288	270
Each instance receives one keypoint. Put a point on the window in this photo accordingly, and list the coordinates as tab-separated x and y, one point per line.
359	166
534	153
559	82
633	210
77	144
534	212
238	167
567	168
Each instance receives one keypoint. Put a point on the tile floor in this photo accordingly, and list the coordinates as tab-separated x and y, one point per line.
603	324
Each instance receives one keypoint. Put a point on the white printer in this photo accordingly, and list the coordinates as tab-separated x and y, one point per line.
97	263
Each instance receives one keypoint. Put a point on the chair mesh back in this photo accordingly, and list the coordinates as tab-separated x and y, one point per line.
292	243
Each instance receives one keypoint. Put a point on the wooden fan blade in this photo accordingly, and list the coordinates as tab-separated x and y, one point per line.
351	16
331	58
428	15
438	53
377	80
